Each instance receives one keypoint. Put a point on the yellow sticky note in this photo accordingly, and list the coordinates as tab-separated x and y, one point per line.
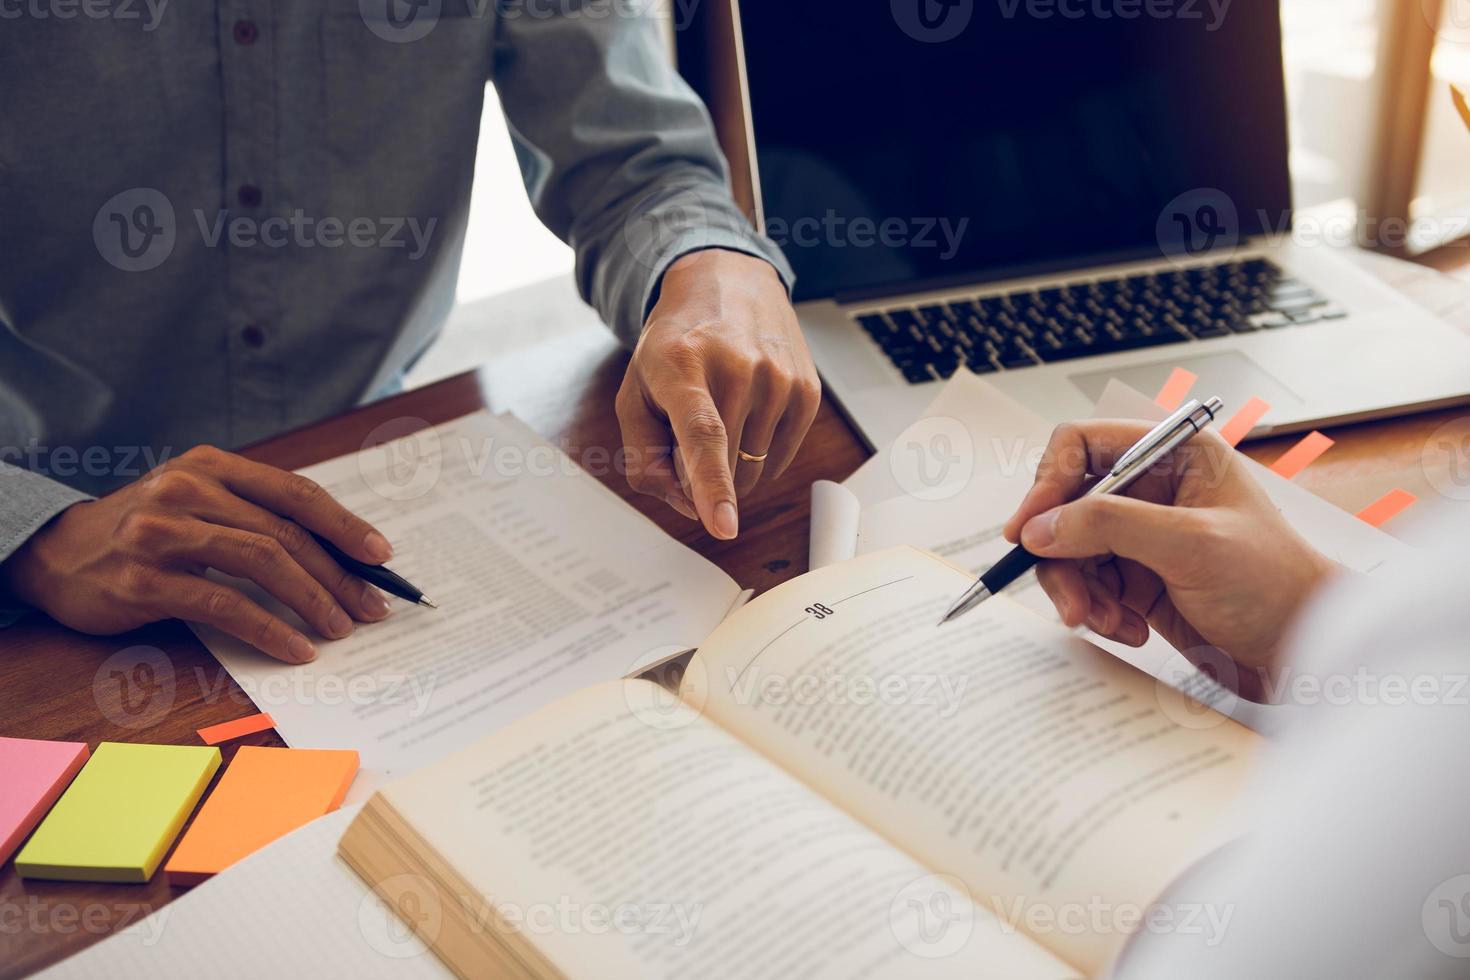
119	816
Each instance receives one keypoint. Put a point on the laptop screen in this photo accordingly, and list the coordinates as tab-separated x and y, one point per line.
917	141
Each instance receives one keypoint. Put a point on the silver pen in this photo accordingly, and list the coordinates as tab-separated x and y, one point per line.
1164	438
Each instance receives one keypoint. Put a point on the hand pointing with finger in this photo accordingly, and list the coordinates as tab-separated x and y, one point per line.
721	389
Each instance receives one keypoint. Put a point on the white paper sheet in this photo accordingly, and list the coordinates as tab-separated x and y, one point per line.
836	523
291	909
952	476
546	581
960	517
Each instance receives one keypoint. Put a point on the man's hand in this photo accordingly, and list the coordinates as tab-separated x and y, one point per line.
139	555
721	367
1195	549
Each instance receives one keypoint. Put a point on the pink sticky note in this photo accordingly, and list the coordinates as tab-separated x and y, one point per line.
32	775
1387	507
1241	424
1302	455
1176	389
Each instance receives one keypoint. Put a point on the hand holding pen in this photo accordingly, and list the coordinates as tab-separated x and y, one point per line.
377	575
1153	448
1195	550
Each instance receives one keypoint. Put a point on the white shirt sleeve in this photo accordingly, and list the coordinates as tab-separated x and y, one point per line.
1358	859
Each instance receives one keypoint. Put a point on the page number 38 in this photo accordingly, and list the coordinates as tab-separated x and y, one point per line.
819	611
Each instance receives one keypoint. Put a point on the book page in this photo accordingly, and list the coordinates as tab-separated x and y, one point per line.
1058	784
546	582
948	484
626	836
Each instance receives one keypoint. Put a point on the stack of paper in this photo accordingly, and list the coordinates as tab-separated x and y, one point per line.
546	581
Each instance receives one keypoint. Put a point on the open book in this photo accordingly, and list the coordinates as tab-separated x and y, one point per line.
839	788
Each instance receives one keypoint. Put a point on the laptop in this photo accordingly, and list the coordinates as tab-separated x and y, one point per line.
1056	201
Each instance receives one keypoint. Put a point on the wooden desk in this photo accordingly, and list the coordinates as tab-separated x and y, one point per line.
56	684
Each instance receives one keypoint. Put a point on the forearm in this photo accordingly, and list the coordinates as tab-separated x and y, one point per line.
619	156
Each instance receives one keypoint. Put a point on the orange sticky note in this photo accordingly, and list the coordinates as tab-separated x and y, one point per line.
1176	389
1243	421
1387	507
32	775
264	794
1302	455
239	728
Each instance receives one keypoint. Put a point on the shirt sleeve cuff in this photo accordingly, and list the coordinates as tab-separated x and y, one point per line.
28	502
688	220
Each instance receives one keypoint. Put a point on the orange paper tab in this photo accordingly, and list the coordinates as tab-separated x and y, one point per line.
264	794
1176	389
1302	455
1387	507
1241	424
239	728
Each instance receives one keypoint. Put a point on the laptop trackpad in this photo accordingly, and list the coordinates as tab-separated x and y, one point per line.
1231	375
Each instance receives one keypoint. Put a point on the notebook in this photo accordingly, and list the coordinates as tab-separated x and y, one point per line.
291	909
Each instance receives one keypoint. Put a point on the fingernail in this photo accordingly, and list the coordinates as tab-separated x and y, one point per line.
300	648
1064	606
373	602
1040	531
377	547
338	623
727	521
1133	633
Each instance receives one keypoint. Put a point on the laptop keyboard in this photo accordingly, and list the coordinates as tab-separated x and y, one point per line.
1022	329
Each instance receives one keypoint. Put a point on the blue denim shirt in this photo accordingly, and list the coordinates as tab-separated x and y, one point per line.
222	219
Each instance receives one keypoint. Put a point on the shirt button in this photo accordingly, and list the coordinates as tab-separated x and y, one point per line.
253	336
246	32
248	195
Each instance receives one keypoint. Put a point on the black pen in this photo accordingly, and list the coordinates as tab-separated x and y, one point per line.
1163	439
378	575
